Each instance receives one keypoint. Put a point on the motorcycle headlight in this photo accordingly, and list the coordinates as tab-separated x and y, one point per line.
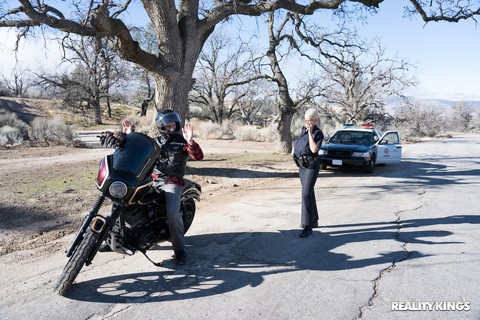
118	189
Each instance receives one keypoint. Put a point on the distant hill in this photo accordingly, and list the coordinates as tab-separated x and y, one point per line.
28	109
446	105
25	109
449	103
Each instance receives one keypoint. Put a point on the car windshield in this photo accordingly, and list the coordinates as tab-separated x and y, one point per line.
352	137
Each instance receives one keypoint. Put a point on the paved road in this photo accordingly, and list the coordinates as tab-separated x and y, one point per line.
405	237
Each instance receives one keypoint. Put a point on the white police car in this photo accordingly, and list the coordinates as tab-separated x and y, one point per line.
362	147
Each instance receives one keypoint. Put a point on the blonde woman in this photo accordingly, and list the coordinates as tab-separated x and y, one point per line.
305	153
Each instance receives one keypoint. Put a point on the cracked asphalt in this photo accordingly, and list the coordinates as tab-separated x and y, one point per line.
401	243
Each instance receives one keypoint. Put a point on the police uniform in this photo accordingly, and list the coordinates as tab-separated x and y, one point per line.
309	166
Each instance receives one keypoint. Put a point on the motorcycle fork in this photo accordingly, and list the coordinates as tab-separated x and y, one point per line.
108	224
85	224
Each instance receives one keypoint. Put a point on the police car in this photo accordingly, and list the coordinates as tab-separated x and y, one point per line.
362	147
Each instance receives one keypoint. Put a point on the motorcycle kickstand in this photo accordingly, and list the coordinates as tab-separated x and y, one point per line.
156	264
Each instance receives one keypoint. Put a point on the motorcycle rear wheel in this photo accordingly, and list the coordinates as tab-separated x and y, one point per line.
76	262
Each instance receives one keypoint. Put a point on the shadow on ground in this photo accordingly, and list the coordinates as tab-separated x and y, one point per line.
220	263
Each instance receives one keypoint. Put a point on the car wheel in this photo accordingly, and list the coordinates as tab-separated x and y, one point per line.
370	165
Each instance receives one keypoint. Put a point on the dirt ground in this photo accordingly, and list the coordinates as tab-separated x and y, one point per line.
46	191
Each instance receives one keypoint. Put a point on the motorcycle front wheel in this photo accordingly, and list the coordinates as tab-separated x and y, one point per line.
76	262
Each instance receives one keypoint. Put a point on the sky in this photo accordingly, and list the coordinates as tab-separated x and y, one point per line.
445	54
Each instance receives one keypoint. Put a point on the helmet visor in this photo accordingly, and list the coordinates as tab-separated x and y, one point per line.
166	118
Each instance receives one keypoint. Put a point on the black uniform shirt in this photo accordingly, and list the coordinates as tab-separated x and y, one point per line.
301	146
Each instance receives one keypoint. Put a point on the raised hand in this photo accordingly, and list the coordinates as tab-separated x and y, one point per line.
187	132
309	125
127	126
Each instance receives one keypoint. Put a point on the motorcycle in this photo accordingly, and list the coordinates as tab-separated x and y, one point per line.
137	220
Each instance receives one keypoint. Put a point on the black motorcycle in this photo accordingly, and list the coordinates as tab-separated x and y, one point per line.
138	218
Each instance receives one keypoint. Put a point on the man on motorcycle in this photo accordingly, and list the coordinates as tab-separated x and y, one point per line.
169	169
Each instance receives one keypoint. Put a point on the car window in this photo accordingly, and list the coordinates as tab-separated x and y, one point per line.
338	137
365	138
390	138
353	137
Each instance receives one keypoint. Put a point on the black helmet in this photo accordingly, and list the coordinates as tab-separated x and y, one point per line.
165	117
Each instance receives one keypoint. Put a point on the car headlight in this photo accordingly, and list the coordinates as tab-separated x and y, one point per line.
361	154
118	189
322	152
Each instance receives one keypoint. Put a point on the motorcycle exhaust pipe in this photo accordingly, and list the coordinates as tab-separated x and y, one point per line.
98	224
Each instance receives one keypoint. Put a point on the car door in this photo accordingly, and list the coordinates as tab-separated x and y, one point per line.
389	149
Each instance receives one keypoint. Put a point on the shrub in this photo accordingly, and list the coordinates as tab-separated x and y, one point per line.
10	136
52	131
207	130
254	133
8	119
142	124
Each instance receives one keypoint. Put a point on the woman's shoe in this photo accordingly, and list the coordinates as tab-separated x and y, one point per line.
307	231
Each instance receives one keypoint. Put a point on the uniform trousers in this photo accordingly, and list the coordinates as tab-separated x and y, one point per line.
308	178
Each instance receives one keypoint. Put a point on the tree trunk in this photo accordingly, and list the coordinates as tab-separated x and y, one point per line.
284	128
286	105
96	111
109	107
172	94
143	112
287	110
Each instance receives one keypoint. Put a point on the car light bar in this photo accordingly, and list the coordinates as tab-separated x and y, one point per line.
346	125
368	125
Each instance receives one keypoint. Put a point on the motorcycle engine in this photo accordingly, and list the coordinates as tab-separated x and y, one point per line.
146	226
146	236
136	216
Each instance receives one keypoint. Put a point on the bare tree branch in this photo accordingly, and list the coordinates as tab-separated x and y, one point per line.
183	26
220	71
451	11
360	89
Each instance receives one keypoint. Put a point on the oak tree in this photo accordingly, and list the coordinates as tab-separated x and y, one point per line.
182	27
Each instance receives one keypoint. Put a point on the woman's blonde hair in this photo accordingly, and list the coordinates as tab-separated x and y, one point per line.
312	113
